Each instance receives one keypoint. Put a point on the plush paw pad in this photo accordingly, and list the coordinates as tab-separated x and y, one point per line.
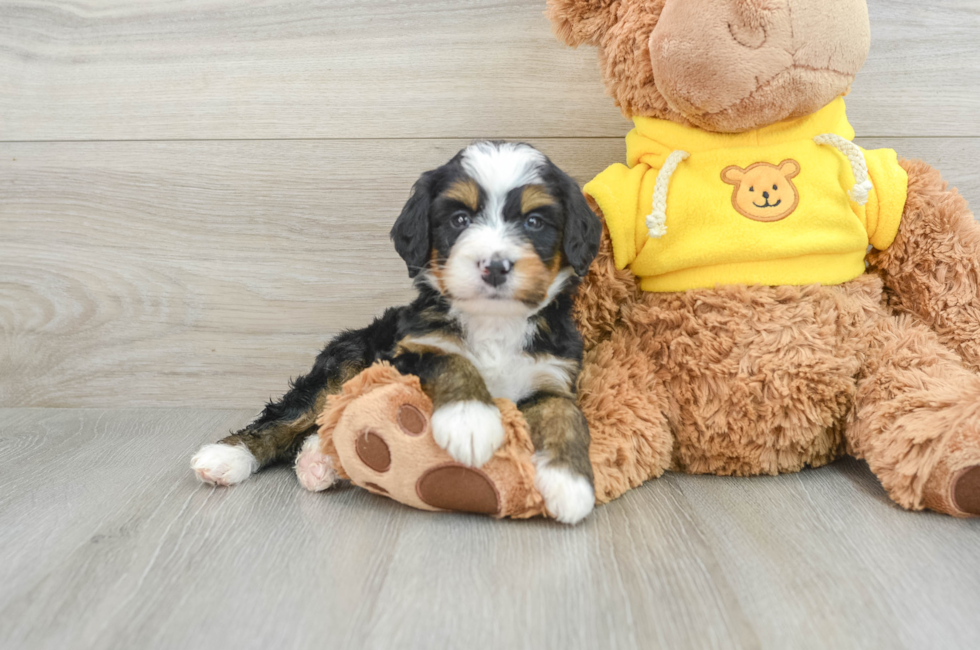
469	430
314	469
966	490
568	496
463	489
222	464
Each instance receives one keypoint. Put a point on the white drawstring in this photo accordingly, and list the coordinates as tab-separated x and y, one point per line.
657	219
859	166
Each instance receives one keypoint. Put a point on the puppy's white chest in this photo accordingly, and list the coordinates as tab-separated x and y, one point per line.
496	347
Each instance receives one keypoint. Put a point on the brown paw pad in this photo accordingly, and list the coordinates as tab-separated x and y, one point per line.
374	487
411	420
460	488
966	490
373	451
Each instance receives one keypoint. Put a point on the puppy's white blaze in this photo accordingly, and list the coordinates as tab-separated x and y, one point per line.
568	496
500	167
469	430
314	469
222	464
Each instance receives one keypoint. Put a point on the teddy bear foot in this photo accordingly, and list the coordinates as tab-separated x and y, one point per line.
385	443
380	434
966	490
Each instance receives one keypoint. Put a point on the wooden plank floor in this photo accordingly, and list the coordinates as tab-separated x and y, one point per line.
107	541
194	196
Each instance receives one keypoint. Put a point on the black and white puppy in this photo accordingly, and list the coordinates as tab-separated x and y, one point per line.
496	239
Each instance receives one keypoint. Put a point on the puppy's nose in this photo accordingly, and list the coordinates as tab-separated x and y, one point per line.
495	272
765	195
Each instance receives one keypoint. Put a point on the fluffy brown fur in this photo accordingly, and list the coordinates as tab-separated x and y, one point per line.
761	380
932	269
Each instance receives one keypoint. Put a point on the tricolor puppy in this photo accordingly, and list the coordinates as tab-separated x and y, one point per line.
496	239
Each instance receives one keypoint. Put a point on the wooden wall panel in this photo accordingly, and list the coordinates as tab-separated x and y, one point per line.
200	272
195	196
384	69
207	273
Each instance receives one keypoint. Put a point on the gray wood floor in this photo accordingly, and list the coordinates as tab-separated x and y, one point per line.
107	541
194	196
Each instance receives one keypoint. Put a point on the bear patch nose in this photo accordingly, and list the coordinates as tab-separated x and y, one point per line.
765	195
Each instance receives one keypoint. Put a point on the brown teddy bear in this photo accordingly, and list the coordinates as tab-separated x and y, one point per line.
755	352
768	296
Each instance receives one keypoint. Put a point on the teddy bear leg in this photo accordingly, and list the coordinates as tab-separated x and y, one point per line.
605	291
917	419
378	434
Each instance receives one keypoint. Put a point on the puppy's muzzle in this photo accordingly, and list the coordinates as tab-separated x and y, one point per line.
494	272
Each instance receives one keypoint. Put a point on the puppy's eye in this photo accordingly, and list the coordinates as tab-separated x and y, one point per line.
460	220
534	222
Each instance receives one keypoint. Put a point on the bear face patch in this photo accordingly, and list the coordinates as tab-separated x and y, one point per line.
763	191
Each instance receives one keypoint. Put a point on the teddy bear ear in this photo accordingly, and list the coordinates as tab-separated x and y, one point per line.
578	22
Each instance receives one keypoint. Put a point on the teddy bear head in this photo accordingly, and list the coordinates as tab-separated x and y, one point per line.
721	65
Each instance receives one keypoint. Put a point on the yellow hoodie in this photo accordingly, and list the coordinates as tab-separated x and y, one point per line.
792	203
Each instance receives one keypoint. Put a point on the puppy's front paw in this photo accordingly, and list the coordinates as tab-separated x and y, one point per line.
314	469
469	430
222	464
568	496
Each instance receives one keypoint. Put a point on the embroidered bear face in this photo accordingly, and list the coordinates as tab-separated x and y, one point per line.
764	192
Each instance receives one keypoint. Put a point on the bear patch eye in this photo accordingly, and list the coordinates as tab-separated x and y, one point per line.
460	220
774	187
751	189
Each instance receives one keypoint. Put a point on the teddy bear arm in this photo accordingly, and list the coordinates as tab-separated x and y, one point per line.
932	269
605	293
625	406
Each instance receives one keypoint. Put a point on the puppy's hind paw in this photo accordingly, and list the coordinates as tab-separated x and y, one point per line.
314	469
569	497
469	430
221	464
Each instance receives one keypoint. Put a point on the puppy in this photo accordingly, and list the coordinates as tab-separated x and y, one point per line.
496	240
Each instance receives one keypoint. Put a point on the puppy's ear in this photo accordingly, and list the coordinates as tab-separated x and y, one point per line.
578	22
411	232
580	240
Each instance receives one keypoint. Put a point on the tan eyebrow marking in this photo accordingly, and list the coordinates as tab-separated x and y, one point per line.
535	196
466	192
